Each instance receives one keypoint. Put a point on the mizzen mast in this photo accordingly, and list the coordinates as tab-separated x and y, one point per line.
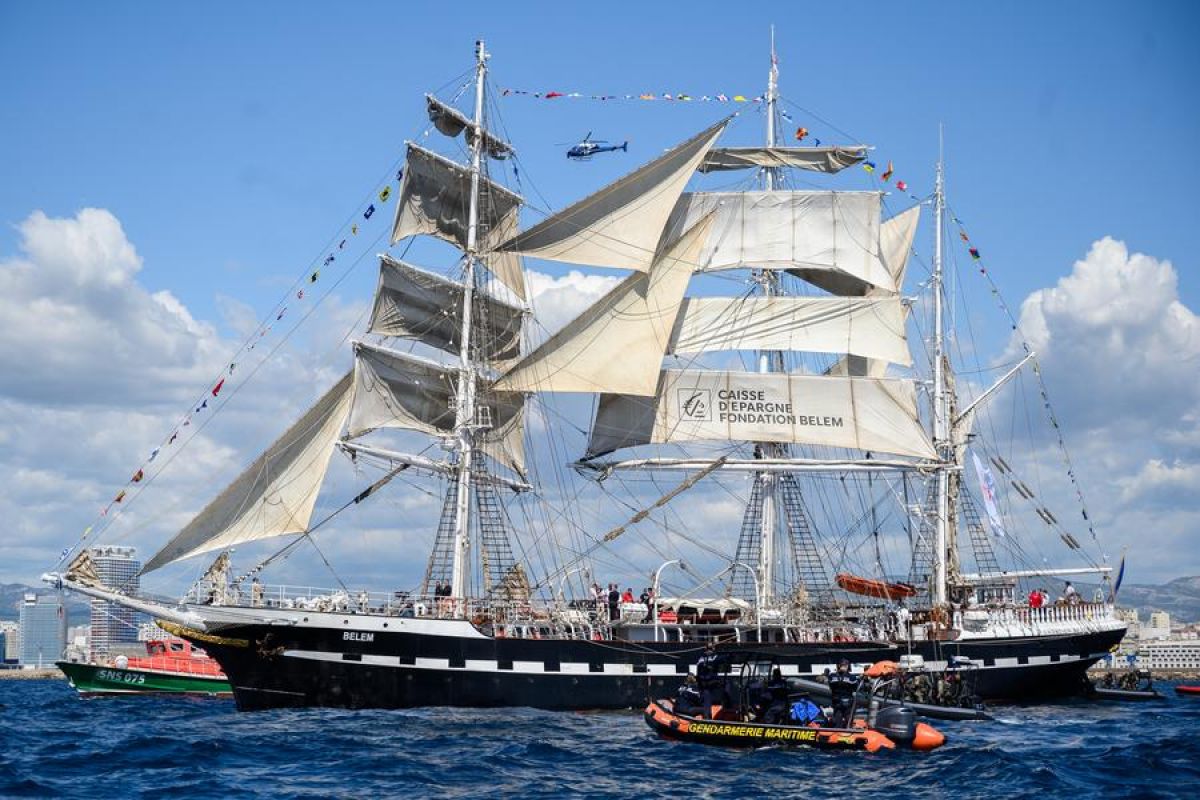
941	422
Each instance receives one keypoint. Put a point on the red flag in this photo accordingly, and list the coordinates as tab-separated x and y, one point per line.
887	173
137	476
974	251
216	390
801	133
902	186
552	95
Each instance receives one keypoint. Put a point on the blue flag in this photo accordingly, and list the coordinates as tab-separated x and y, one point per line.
1120	577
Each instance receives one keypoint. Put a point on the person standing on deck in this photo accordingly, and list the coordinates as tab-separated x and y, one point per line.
842	685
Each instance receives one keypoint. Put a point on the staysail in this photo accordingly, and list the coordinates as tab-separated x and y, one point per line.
416	304
276	494
877	415
620	225
617	344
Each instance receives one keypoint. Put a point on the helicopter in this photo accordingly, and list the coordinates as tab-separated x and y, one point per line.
590	147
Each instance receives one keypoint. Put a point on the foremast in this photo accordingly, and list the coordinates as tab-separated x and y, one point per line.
464	412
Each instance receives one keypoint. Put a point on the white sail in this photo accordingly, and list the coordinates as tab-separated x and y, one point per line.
836	232
895	242
416	304
617	344
816	159
620	225
400	390
871	327
435	199
876	415
276	494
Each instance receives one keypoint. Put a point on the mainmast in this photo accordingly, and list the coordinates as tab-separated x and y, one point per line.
464	412
767	360
941	422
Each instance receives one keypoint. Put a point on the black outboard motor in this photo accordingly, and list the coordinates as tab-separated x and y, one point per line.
897	723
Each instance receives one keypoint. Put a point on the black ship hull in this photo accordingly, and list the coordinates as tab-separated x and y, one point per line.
353	662
1026	668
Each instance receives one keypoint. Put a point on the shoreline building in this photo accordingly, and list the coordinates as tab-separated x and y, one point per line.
43	630
113	625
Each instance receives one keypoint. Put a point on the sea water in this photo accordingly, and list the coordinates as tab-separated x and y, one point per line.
55	744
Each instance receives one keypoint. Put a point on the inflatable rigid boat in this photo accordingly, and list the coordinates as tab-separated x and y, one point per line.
1188	690
894	727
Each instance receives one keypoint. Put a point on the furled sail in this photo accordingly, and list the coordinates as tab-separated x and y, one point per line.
870	326
617	344
416	304
400	390
435	199
877	415
451	122
620	225
276	494
835	232
816	159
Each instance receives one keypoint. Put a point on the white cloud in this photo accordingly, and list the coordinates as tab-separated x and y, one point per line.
556	301
76	322
96	371
1120	353
1119	341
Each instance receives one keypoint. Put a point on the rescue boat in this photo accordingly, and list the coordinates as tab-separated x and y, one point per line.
874	588
1188	690
894	727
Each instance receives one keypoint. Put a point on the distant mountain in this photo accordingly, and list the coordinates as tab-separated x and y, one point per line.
12	595
1180	598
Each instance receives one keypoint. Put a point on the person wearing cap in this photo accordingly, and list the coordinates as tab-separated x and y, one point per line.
842	685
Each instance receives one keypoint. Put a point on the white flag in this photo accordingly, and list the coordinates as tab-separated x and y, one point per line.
987	487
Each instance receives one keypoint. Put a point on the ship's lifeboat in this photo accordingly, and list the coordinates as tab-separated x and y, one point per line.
1188	690
894	728
875	588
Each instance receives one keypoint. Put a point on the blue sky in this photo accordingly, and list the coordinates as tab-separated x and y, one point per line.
231	142
242	134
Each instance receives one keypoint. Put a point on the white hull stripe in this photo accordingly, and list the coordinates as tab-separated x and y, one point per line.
576	668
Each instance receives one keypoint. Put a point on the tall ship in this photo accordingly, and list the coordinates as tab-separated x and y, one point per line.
798	397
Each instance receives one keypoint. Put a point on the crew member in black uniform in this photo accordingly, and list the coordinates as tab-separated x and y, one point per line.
773	699
708	675
687	698
842	685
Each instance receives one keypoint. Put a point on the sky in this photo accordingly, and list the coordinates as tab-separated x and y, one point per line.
168	172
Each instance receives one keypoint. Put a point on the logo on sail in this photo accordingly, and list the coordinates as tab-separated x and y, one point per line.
695	404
